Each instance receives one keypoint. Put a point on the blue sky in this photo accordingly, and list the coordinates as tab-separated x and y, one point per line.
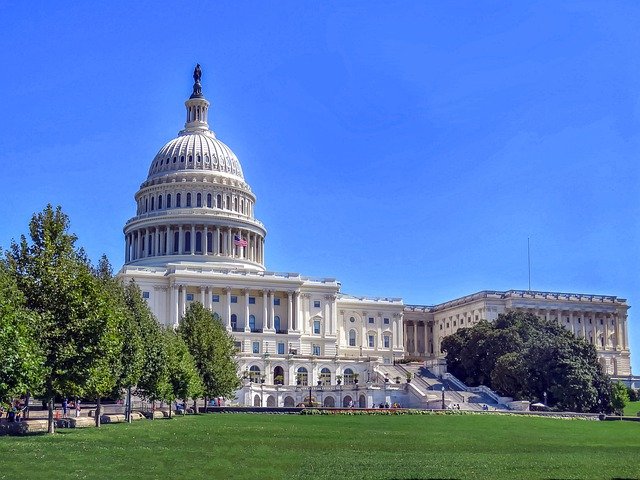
406	148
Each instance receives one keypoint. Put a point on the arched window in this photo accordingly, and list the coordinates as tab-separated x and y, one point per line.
254	374
153	203
241	206
329	401
218	201
348	376
302	376
146	205
316	327
227	205
352	338
276	323
187	241
256	401
289	401
175	159
209	242
190	158
235	204
234	322
176	240
278	375
347	401
198	200
188	199
252	323
208	200
325	376
182	158
159	202
178	200
168	200
199	242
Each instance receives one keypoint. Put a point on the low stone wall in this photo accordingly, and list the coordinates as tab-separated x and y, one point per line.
24	427
117	418
156	414
81	422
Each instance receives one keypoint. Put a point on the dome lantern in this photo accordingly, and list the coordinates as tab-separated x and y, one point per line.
197	106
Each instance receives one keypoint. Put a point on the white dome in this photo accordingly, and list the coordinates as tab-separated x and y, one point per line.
196	151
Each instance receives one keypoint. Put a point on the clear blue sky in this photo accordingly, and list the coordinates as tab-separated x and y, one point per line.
406	148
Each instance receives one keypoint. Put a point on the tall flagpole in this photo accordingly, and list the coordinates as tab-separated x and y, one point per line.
529	261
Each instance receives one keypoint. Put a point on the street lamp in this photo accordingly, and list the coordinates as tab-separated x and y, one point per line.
310	403
544	394
443	397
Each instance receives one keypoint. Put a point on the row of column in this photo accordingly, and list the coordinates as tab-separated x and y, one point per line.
290	322
220	241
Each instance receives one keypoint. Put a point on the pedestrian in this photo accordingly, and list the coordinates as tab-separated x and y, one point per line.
65	407
77	408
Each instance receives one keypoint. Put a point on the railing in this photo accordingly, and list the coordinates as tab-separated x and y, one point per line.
282	332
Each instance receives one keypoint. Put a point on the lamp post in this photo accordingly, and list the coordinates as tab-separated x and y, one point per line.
443	397
310	403
544	394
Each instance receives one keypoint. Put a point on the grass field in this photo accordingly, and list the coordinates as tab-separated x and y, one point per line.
365	447
632	408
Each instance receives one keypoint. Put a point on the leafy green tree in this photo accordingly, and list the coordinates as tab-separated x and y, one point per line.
213	350
619	397
523	356
183	377
21	358
59	286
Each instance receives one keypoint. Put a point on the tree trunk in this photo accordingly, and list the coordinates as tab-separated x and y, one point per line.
52	427
195	405
26	411
170	409
97	412
184	405
153	410
128	410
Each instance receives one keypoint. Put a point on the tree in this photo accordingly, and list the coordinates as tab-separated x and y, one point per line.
619	397
20	368
184	380
523	356
58	284
213	350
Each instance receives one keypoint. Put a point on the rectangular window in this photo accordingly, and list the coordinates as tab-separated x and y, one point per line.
281	348
189	297
372	341
440	326
316	350
447	325
386	341
256	347
386	321
238	346
234	299
276	301
371	320
316	327
316	304
252	300
454	323
145	294
215	298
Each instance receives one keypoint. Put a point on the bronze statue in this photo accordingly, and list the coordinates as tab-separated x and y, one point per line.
197	73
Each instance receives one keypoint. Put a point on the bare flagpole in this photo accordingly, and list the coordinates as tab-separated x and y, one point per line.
529	261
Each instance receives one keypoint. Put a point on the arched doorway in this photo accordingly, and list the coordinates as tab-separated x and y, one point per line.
289	402
256	401
278	375
325	376
302	376
254	374
329	402
362	403
347	401
271	401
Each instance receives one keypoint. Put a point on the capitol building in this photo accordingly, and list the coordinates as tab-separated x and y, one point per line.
195	238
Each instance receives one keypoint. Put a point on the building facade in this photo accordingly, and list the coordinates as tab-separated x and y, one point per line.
195	238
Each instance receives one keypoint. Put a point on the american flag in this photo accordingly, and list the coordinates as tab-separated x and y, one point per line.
238	240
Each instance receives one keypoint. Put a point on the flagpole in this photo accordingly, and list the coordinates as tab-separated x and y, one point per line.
529	261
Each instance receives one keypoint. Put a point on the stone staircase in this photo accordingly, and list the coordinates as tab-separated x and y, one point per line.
456	393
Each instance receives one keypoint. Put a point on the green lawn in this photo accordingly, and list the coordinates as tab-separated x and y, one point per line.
632	408
224	446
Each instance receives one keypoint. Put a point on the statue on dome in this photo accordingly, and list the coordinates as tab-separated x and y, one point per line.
197	87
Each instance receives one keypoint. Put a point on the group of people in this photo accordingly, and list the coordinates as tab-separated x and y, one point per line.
15	412
67	406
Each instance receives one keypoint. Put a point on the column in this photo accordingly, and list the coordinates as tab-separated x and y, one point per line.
365	341
246	310
182	300
216	242
571	320
227	304
202	297
625	338
126	248
193	239
289	311
265	318
605	332
174	305
294	326
426	336
180	240
169	240
415	338
394	332
205	241
271	308
158	244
